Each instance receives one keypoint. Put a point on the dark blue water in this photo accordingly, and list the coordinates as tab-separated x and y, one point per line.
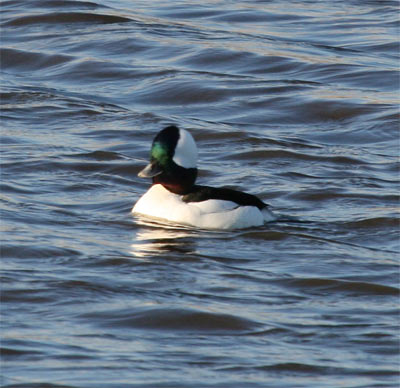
296	102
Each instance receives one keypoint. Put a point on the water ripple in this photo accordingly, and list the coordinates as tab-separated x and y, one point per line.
296	104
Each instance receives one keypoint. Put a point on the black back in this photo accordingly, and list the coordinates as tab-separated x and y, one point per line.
203	193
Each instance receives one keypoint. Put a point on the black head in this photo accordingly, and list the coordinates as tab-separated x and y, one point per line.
173	160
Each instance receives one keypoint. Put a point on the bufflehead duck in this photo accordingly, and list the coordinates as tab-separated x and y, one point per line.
175	197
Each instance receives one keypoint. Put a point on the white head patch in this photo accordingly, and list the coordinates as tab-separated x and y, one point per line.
186	150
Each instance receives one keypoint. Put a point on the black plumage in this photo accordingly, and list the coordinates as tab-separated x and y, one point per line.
203	193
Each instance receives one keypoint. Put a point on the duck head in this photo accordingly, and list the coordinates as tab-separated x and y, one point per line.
173	160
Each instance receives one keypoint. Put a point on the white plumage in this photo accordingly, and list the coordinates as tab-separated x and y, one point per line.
160	203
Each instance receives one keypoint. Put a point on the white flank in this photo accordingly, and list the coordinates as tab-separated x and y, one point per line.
160	203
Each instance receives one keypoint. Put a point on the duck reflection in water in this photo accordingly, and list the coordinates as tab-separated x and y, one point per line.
151	240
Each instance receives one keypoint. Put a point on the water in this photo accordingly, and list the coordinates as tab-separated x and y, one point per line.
296	102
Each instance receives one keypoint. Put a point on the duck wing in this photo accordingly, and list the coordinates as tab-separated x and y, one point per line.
205	193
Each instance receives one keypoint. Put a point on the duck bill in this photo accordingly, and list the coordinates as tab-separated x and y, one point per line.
151	170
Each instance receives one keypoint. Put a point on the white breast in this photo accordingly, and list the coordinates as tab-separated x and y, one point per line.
160	203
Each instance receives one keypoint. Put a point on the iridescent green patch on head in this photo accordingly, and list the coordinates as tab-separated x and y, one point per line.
159	152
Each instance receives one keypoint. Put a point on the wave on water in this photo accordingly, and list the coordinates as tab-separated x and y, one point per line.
296	103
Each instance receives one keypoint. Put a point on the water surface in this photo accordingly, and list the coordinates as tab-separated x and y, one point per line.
296	102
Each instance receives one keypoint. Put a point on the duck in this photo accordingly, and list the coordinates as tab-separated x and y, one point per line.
175	197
